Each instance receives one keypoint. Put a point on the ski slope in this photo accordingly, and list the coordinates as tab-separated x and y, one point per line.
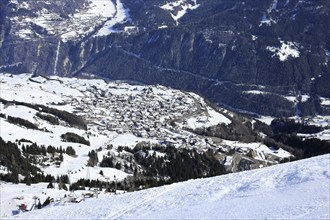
297	190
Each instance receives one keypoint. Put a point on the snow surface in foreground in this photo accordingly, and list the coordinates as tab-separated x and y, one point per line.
297	190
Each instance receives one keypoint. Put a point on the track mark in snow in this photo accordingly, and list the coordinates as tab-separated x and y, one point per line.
138	204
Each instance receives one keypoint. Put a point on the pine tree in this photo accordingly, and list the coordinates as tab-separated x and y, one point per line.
70	151
47	202
50	185
118	166
43	150
15	177
39	205
28	180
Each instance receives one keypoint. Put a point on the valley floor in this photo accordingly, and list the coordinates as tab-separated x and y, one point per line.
296	190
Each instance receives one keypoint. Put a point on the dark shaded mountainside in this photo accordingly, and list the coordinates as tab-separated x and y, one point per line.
222	50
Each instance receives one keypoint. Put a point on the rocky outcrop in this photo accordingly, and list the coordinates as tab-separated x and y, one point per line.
3	23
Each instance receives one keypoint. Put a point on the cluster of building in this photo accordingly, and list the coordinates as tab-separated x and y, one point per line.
157	114
146	112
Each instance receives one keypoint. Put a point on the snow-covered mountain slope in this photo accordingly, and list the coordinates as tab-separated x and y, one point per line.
297	190
135	134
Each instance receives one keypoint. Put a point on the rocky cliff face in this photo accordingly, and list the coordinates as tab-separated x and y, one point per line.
3	23
247	55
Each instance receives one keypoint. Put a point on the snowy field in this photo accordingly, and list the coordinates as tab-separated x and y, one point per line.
296	190
209	118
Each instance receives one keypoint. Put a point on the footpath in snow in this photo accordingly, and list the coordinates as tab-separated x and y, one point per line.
297	190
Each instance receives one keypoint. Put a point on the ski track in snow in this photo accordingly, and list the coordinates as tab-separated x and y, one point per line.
137	203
